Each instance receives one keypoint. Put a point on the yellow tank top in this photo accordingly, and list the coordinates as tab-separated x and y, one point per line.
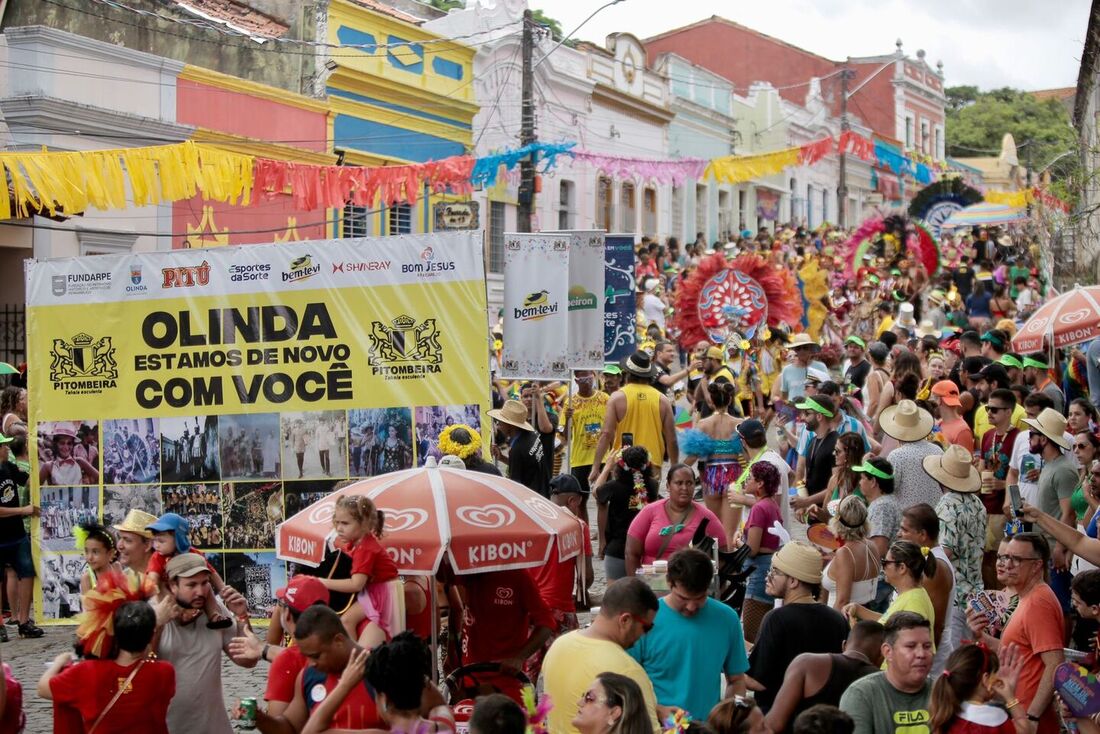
643	419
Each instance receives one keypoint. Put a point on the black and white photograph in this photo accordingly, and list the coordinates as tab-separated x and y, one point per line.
63	508
199	504
189	449
249	446
131	451
430	422
251	511
380	441
68	453
256	576
61	584
299	495
119	500
315	445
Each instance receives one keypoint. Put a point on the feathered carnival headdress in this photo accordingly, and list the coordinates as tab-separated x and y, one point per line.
96	624
448	445
903	235
537	712
744	295
680	721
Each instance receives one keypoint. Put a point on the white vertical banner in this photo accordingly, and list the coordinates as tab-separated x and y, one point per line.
536	306
586	285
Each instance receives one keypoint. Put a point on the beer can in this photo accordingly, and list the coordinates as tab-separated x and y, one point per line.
248	714
1013	527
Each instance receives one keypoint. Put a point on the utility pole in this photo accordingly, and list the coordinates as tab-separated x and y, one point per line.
1029	145
842	190
527	128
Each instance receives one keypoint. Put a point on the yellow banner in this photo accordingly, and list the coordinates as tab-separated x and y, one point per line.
238	386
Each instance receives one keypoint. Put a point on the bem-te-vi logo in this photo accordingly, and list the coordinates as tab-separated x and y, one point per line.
186	276
301	268
536	306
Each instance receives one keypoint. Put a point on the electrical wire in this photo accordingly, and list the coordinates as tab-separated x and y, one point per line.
500	92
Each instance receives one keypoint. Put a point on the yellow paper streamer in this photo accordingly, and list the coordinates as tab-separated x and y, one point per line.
1015	199
738	168
113	179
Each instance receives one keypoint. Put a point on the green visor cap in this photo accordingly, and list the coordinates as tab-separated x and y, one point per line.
857	341
873	470
1029	362
811	404
612	369
1007	360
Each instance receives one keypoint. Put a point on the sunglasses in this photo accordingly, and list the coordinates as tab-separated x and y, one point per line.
590	697
889	561
646	626
1014	560
995	408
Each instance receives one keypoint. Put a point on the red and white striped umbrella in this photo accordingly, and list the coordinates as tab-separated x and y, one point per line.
482	522
1071	318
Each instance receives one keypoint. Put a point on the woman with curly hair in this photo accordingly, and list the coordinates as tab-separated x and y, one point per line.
623	488
464	442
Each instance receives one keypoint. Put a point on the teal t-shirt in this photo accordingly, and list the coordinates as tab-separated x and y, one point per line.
684	657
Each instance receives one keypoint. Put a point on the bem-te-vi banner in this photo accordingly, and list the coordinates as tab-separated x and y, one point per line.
238	385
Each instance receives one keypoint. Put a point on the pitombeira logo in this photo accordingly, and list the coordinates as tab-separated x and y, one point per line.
85	359
488	517
535	306
405	347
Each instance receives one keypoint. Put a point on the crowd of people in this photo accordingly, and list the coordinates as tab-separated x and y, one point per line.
881	520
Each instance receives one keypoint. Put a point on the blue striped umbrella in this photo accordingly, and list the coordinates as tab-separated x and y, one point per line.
983	214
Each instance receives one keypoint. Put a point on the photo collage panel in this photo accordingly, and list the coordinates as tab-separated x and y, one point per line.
233	477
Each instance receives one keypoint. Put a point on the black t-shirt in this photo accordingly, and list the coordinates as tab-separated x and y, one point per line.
857	374
531	460
662	371
820	462
11	478
964	280
616	494
787	632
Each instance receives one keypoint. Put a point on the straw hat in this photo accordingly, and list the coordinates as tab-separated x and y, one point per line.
136	522
906	421
802	339
1051	424
799	560
953	469
514	413
926	328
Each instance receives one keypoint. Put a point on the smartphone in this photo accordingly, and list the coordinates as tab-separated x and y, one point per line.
1016	501
628	439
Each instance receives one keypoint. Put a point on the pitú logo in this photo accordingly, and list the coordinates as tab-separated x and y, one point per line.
301	269
580	299
536	306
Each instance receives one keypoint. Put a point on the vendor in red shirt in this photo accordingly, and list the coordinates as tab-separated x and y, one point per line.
506	621
90	687
286	662
324	643
557	580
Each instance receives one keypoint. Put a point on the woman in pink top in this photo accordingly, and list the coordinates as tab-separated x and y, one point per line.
665	526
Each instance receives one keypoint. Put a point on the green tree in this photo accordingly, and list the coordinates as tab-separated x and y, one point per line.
551	24
977	121
448	5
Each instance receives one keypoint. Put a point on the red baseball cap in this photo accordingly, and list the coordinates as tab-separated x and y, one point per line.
303	592
948	392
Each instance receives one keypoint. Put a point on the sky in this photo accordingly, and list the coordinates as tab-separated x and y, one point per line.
1027	44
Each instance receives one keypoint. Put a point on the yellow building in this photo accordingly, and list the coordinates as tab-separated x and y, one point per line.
398	94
